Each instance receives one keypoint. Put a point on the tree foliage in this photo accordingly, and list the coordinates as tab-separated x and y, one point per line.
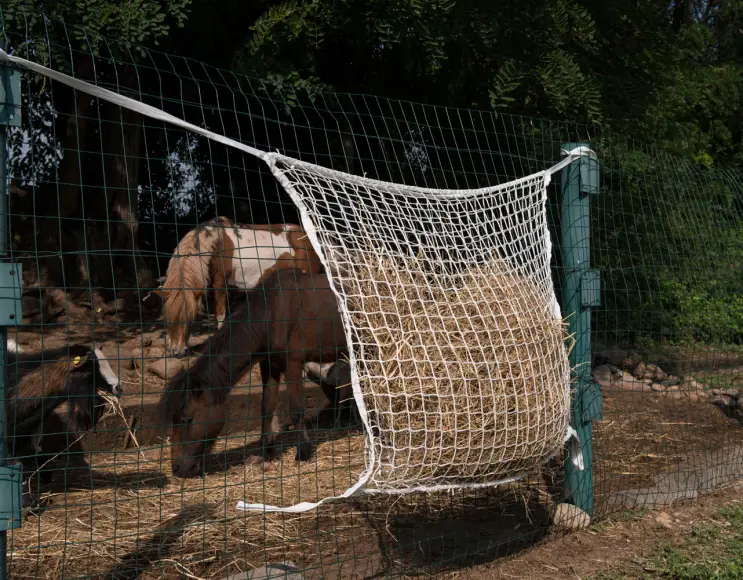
89	23
669	73
460	53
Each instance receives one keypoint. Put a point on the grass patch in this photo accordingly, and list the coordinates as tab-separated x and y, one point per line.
712	550
619	517
721	380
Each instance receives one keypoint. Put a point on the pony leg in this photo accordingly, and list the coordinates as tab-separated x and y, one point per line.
31	473
220	301
221	273
332	410
29	499
270	425
295	387
318	373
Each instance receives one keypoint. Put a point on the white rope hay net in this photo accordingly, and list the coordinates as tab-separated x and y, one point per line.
456	342
459	363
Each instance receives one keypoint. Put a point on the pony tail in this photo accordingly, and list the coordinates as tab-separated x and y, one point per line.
189	275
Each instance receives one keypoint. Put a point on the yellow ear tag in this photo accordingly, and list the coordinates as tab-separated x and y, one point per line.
76	360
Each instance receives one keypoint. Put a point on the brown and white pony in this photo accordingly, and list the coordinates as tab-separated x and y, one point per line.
218	254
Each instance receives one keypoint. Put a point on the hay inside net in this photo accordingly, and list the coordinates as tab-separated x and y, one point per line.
465	376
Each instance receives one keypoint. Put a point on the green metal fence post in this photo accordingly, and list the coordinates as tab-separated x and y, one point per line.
581	292
11	475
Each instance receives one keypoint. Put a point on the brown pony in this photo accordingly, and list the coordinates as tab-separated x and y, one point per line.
219	253
290	319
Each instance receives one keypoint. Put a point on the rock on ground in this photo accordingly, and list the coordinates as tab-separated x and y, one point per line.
628	363
570	517
165	367
649	371
650	377
610	377
691	384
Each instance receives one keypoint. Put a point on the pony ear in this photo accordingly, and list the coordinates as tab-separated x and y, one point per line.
79	361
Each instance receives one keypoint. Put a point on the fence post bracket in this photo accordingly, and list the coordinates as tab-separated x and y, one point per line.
11	496
10	97
11	294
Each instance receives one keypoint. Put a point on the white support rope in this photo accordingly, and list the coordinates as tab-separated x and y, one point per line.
310	187
270	158
127	103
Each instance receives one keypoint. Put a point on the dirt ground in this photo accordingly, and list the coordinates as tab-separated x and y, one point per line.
645	434
115	511
616	545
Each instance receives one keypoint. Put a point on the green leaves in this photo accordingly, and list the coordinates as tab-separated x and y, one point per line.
569	91
505	82
618	63
295	18
290	87
91	23
531	59
572	22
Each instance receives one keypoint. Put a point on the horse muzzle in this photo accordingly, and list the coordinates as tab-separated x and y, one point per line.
186	468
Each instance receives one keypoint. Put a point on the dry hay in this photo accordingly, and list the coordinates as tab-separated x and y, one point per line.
132	522
128	515
465	375
125	519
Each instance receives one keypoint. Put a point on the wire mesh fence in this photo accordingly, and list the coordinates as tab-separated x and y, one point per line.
100	198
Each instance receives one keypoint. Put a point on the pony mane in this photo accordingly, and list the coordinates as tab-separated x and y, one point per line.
176	394
194	380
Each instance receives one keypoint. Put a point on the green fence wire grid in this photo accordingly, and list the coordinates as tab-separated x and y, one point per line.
99	198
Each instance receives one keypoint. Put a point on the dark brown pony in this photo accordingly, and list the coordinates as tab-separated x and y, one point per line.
219	254
290	319
40	383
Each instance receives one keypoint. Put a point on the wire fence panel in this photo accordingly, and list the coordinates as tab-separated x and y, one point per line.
105	203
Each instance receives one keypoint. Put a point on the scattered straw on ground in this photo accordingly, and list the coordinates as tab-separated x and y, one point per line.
133	510
126	519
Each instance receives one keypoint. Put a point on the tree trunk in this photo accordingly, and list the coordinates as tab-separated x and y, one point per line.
681	14
70	194
64	234
349	147
74	256
122	142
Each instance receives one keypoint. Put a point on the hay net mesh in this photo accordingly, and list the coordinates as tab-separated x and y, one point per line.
456	342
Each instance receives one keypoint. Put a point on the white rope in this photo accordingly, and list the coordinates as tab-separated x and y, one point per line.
575	449
126	102
309	185
270	158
